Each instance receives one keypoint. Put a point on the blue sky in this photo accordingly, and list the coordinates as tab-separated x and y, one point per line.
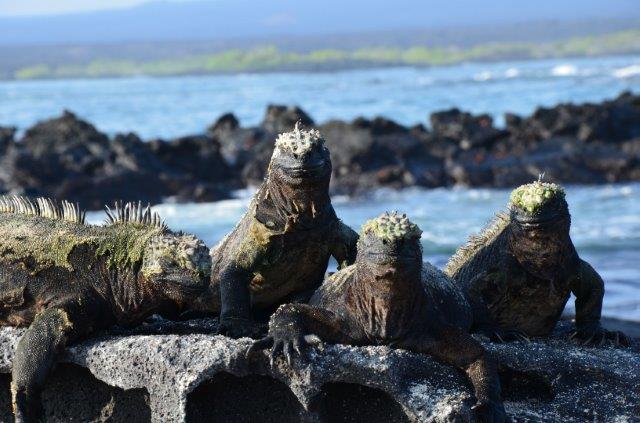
57	7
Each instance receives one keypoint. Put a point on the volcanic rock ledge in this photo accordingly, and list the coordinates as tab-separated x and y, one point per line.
141	376
68	158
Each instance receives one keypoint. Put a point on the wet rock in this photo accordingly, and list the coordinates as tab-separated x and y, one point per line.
226	123
134	154
189	376
239	147
280	119
52	153
255	168
195	155
571	143
467	130
7	134
68	158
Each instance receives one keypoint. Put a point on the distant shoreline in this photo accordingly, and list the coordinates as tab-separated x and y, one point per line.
269	58
329	70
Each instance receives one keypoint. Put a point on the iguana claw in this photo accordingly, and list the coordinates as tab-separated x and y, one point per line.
599	337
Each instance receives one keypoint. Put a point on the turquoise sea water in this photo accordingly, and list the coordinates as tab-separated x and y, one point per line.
606	219
176	106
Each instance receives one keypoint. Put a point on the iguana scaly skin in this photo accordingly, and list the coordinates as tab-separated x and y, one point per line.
519	272
390	297
280	249
65	279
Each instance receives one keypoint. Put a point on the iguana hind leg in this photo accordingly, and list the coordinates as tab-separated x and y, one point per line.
36	354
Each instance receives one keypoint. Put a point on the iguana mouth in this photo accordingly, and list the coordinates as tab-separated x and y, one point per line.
536	222
389	256
302	171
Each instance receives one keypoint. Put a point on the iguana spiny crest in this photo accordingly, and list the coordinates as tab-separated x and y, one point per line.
391	227
135	214
43	207
299	141
389	238
534	196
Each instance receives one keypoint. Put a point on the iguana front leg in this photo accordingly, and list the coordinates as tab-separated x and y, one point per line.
453	346
344	246
36	354
589	291
294	327
235	311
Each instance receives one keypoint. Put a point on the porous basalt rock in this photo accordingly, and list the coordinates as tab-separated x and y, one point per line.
543	381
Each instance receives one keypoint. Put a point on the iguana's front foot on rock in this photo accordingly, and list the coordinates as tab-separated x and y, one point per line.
598	336
236	327
286	337
506	335
490	412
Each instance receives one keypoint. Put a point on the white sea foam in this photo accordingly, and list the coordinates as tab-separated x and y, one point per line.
512	73
483	76
627	71
564	70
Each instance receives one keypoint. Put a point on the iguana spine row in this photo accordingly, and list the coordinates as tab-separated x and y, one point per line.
476	242
70	212
134	213
43	207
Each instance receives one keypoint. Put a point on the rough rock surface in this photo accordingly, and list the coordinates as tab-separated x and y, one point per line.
174	372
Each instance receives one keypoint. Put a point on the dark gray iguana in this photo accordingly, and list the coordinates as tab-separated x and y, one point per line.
280	249
65	279
390	297
519	272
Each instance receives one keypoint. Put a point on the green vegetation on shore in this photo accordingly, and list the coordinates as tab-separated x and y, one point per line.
270	58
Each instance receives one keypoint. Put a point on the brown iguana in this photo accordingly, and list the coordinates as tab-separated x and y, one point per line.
519	272
390	297
280	249
65	279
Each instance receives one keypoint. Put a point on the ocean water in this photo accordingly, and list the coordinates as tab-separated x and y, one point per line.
176	106
605	229
606	219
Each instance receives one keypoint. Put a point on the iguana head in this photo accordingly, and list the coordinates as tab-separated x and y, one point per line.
388	239
539	228
537	204
300	158
176	264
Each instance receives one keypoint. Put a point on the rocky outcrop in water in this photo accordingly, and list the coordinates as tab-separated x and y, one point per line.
67	157
154	373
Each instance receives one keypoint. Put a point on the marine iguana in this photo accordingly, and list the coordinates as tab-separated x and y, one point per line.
390	297
280	249
65	279
519	272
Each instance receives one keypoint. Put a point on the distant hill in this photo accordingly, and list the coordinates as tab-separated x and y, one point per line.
227	19
267	58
